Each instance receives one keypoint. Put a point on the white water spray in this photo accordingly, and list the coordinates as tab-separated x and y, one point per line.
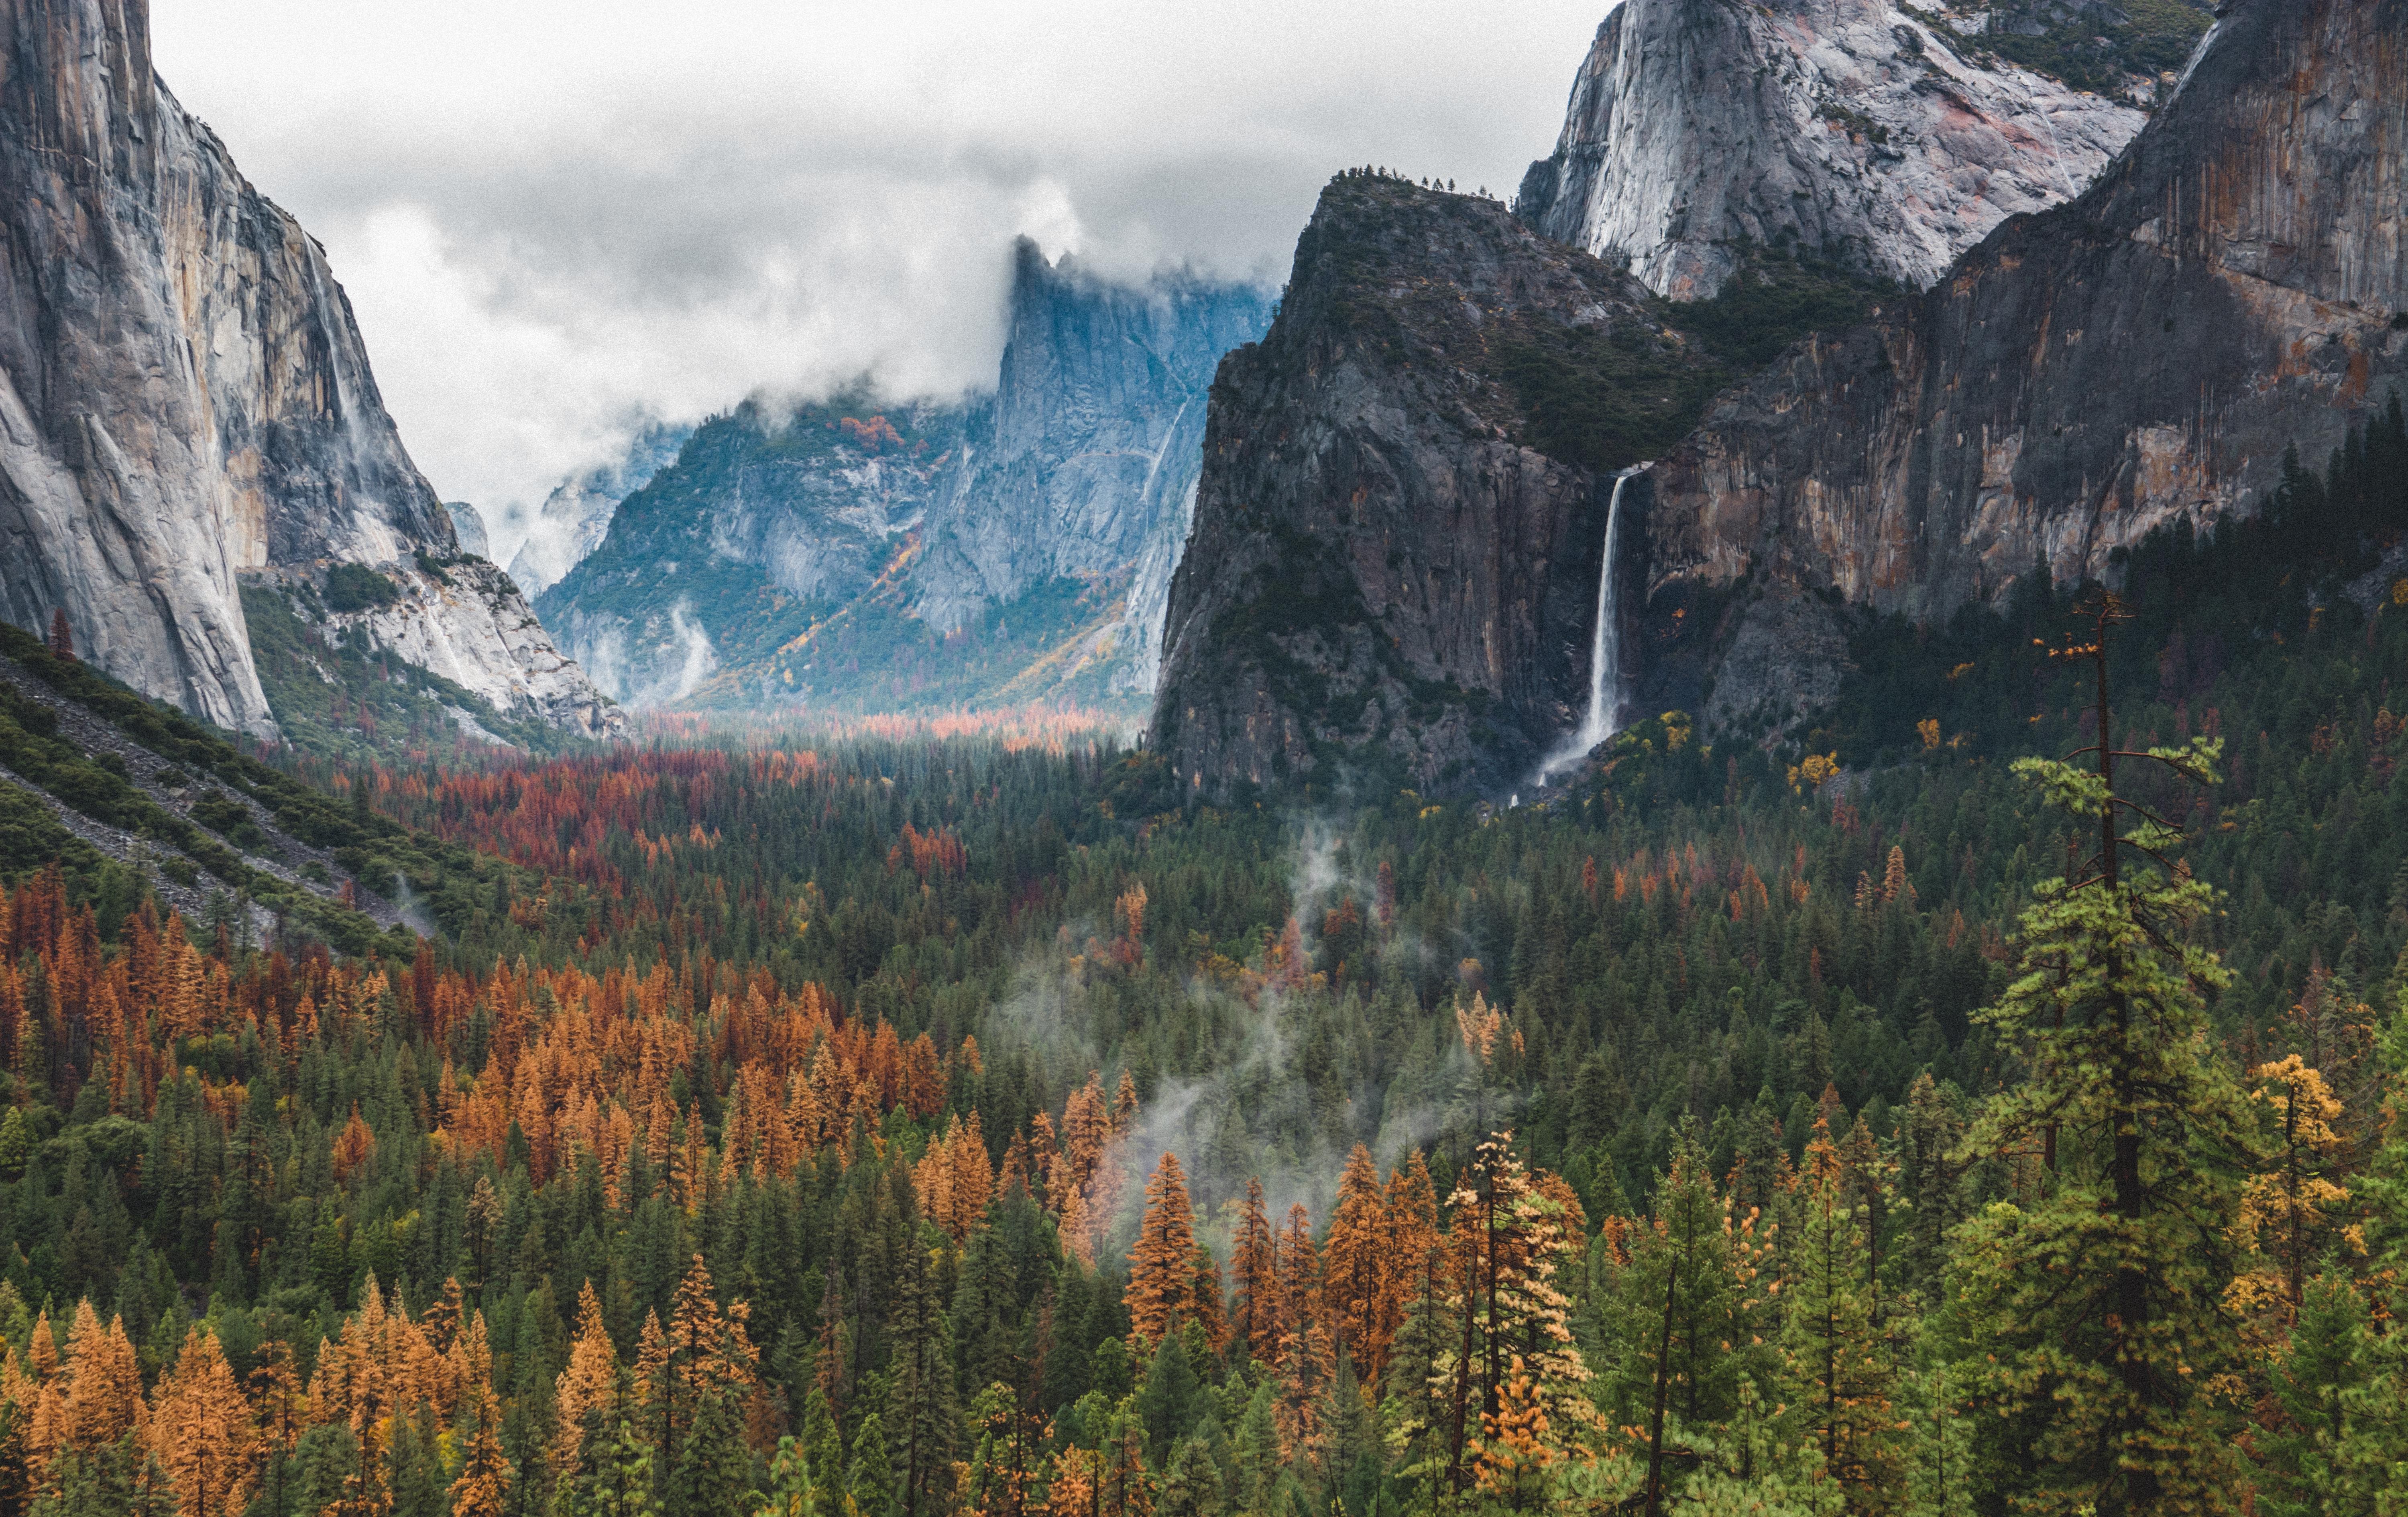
1605	648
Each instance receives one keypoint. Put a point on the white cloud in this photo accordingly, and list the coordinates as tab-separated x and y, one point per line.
555	215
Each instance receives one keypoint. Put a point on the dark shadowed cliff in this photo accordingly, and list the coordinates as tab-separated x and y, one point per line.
1402	511
2235	284
1398	529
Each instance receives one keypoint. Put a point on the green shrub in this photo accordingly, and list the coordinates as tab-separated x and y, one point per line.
355	587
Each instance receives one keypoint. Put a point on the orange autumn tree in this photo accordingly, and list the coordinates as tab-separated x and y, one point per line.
201	1431
482	1488
103	1399
702	1352
1253	1270
587	1382
1511	1233
1350	1264
1163	1277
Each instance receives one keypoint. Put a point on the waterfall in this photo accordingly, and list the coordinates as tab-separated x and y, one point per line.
1605	648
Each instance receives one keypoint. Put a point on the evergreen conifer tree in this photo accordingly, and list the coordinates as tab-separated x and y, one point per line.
2105	1281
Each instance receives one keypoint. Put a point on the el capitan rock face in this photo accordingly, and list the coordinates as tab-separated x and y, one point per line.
2231	287
1386	569
186	395
1858	129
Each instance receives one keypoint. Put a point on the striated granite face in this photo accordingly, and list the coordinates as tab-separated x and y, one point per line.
477	631
1858	129
183	395
1084	464
807	559
766	519
1387	571
575	517
2231	288
470	527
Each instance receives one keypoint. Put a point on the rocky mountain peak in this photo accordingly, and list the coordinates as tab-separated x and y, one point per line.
1863	131
1084	461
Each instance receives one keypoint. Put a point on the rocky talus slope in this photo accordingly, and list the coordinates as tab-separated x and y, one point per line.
184	393
466	622
1398	539
2235	285
1865	129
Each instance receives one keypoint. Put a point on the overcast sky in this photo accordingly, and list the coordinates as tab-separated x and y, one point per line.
554	216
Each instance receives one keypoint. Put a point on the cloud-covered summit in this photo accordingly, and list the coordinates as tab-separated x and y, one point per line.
555	217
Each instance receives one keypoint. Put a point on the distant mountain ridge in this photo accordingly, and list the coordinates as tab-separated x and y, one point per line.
573	520
862	553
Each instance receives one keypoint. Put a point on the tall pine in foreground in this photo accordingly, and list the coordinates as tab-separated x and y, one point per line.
2102	1278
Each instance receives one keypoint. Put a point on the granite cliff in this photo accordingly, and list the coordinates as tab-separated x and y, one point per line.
868	554
1375	583
1867	132
1083	465
2235	285
184	398
1401	516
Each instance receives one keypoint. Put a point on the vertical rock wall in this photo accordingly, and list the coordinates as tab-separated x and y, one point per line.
1855	128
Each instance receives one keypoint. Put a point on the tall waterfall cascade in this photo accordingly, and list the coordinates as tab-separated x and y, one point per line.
1605	648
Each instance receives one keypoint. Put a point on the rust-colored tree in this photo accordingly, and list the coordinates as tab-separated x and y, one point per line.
1162	1265
201	1431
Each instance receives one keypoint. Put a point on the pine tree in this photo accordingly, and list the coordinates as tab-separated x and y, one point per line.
16	1459
1409	1215
2293	1210
103	1401
924	1401
1162	1266
1350	1263
1680	1315
282	1404
1253	1270
1508	1239
1836	1366
482	1488
2106	1284
590	1380
1191	1486
873	1470
823	1442
791	1493
201	1431
613	1476
2311	1458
